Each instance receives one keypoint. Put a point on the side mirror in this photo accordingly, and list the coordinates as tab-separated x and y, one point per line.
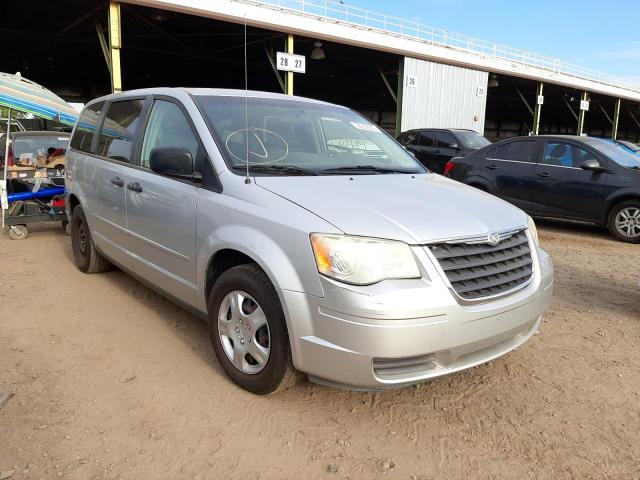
173	162
593	165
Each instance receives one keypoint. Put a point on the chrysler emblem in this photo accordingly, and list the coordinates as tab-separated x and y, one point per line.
493	239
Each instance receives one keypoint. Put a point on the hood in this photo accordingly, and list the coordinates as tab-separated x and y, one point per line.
415	209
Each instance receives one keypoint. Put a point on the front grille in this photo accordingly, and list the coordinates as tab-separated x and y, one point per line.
477	271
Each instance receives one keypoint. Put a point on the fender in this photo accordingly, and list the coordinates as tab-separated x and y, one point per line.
617	196
260	247
74	173
482	181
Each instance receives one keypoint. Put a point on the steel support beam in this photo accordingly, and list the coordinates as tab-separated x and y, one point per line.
104	46
538	110
269	51
581	116
616	118
573	112
399	97
289	81
524	100
386	82
635	119
115	44
78	21
606	115
161	32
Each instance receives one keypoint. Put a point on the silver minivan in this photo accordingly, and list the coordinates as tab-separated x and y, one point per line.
308	238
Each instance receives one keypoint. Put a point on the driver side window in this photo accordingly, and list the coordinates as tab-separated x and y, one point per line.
167	127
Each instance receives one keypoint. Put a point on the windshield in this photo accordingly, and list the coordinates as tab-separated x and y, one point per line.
290	137
472	140
614	152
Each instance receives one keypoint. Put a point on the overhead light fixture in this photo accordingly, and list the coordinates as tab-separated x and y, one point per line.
318	53
493	81
159	16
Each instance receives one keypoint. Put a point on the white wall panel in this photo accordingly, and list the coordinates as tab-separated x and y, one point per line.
443	96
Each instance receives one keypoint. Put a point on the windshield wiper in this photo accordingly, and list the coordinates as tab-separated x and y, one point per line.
277	169
364	169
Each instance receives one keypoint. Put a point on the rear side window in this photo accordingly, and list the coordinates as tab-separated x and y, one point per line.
427	139
86	127
524	151
119	129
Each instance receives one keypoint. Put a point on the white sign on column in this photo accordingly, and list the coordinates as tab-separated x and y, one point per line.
290	62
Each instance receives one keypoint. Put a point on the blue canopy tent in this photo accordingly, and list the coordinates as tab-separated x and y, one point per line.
22	95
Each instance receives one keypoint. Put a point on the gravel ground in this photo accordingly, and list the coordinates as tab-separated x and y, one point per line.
111	381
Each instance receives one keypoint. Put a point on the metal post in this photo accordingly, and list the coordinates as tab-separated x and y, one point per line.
399	97
290	74
616	117
115	43
583	98
538	110
3	187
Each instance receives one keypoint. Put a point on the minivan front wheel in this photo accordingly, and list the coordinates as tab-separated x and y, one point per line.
624	221
88	259
248	331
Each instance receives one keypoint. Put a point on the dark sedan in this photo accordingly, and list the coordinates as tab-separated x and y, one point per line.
434	147
566	177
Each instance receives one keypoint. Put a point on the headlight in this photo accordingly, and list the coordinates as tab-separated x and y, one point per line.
533	231
361	260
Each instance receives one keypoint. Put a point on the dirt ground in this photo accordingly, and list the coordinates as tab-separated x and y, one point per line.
112	381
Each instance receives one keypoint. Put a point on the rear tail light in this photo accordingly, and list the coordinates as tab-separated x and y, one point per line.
448	167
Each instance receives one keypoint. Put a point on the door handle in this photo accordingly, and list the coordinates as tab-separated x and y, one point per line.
117	181
543	174
134	187
491	166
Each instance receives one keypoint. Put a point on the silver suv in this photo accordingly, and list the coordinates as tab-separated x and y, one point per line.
308	238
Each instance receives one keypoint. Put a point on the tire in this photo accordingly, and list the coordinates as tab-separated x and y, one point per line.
87	258
624	221
18	232
234	337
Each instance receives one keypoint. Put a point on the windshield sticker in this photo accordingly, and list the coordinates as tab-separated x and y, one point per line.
264	146
367	127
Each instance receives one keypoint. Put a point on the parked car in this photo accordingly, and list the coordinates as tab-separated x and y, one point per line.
303	252
566	177
31	145
434	147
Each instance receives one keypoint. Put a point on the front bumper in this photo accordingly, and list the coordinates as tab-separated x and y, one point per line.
400	332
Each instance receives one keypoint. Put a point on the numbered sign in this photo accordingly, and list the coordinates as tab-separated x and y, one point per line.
290	62
412	82
584	105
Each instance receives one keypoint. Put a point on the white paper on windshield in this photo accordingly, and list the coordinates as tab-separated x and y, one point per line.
367	127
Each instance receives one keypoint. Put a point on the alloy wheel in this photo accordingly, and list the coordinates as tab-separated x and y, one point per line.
244	332
627	222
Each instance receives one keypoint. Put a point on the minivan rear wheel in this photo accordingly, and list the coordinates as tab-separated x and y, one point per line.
624	221
88	259
248	331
